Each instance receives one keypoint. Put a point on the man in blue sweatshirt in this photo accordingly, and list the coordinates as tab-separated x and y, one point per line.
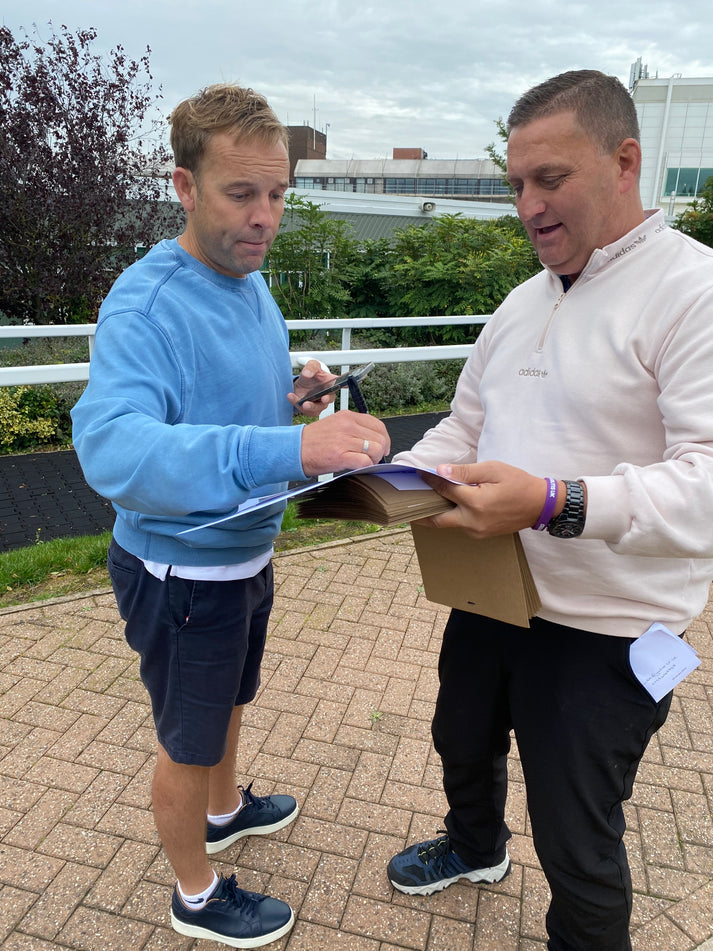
188	413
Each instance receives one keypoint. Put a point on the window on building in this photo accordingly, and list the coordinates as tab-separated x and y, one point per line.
340	185
313	183
493	186
464	186
400	186
410	186
431	186
365	185
686	181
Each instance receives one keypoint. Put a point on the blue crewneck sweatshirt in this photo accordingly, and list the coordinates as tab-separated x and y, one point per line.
186	412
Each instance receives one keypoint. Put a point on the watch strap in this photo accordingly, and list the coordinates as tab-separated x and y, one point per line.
570	522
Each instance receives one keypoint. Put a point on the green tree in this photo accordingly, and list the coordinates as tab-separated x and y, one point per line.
500	158
77	199
459	265
697	219
311	263
370	279
451	265
497	157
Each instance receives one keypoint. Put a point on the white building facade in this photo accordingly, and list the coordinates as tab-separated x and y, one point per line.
676	120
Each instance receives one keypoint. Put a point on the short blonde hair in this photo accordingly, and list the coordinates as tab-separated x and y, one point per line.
222	107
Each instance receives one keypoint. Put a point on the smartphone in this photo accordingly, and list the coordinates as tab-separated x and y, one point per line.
339	383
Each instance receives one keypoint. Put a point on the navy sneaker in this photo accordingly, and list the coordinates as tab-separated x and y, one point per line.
429	867
259	816
235	917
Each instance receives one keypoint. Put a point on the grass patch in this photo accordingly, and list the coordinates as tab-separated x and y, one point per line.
51	569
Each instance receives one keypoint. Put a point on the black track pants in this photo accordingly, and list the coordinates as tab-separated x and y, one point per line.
582	722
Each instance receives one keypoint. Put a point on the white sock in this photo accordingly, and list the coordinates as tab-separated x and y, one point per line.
196	902
225	819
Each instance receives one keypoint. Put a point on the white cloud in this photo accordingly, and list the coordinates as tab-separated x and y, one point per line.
390	73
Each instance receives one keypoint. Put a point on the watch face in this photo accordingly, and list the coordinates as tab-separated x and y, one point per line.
566	529
570	522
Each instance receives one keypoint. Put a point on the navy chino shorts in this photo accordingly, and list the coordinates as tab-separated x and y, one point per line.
201	645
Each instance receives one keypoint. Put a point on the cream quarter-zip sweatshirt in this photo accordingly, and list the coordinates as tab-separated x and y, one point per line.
612	383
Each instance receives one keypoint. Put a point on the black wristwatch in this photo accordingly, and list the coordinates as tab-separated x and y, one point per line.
570	522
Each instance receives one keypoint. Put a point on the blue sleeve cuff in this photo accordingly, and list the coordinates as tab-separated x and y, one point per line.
272	454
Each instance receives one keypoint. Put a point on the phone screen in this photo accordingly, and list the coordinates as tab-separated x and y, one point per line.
341	381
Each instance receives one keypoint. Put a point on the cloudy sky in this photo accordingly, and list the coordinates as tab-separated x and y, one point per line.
376	75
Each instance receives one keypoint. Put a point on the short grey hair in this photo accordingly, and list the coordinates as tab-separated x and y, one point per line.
601	104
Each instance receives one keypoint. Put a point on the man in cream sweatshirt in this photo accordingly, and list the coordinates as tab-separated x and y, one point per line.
585	412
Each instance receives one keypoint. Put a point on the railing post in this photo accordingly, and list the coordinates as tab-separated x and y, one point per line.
346	345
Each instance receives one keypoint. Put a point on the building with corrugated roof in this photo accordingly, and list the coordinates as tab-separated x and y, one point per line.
377	216
473	179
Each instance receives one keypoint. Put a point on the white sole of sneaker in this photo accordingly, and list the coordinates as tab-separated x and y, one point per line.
194	931
479	876
213	847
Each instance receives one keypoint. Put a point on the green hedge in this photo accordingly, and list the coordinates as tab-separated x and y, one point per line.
37	416
30	417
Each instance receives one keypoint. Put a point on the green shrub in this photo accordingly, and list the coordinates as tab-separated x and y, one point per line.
31	416
38	415
393	388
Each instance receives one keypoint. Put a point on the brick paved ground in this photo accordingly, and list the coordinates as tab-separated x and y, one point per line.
342	720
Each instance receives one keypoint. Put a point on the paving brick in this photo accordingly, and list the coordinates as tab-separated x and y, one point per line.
135	824
447	934
374	817
114	886
661	933
328	890
403	927
77	844
307	936
329	837
369	776
325	720
342	720
40	819
371	880
55	772
92	930
694	915
58	901
22	869
326	793
14	903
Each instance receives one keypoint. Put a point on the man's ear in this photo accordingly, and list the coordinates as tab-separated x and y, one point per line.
186	188
629	158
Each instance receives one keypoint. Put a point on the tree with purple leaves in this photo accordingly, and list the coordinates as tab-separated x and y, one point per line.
78	154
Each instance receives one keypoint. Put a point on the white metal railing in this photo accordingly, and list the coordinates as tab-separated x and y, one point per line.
54	373
344	358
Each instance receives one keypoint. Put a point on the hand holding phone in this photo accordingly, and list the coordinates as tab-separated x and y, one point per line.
346	379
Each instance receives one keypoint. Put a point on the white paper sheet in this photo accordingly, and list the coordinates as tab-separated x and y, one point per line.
660	660
399	475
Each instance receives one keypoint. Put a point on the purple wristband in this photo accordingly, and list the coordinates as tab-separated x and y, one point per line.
549	506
